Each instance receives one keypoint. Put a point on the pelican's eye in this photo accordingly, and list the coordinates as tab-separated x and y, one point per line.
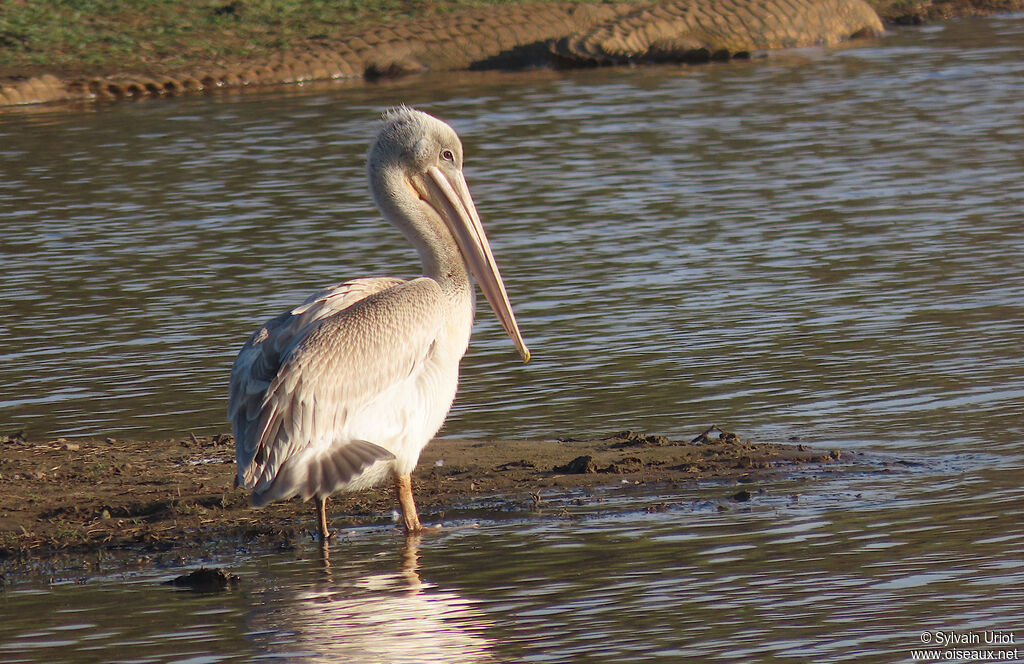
448	155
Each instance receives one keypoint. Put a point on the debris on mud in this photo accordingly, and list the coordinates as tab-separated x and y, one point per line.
631	438
106	494
581	465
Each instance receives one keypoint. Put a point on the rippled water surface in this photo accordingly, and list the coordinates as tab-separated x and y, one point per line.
823	244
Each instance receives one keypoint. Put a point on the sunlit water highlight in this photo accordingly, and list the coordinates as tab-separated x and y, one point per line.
821	244
840	569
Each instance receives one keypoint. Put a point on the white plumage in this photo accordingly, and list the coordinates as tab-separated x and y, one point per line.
346	389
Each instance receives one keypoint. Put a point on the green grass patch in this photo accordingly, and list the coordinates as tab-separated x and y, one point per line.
83	36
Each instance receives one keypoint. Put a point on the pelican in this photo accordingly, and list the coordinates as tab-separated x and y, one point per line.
344	391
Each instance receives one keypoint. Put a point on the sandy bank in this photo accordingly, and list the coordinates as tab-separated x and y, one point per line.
49	53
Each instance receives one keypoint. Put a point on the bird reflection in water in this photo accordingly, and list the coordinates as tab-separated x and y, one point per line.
390	618
410	568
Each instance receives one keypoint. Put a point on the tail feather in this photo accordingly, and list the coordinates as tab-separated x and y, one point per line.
322	473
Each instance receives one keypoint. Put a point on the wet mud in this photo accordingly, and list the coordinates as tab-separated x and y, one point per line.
86	496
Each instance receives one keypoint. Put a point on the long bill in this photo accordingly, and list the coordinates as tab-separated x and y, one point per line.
452	199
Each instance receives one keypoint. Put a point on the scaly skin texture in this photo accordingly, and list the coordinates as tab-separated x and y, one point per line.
700	30
508	36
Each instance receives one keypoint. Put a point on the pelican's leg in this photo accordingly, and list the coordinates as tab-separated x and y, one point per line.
403	483
321	518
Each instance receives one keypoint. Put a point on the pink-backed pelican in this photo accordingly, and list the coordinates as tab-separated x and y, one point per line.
345	390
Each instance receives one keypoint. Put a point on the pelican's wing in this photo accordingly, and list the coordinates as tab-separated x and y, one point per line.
262	355
300	377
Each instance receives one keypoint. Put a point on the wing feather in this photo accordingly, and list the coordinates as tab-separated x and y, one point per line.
300	377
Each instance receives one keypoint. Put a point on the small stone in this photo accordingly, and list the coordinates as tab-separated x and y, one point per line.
204	579
578	466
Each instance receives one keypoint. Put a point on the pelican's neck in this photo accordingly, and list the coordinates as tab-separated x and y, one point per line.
442	261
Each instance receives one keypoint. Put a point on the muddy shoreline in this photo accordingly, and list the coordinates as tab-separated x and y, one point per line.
508	36
84	497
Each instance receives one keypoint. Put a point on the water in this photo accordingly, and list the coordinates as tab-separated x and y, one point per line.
849	569
823	244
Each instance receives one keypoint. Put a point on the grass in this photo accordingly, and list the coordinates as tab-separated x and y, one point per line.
81	36
84	34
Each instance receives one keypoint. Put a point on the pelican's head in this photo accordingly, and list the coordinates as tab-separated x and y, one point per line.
415	170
